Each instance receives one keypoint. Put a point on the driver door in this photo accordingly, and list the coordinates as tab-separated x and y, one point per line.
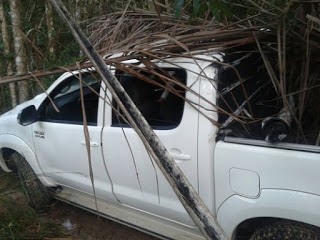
59	135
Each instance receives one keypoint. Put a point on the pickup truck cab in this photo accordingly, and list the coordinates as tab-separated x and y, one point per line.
250	185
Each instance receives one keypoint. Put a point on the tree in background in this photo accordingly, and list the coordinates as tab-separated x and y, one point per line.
32	40
19	48
7	49
50	29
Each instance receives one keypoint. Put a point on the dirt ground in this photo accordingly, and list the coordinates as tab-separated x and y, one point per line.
81	224
74	222
87	226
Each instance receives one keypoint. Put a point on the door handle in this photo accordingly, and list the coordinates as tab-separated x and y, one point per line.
92	144
180	156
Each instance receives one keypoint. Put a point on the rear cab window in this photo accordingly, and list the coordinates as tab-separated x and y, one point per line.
160	101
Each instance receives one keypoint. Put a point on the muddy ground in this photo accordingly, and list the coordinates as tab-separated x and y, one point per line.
68	222
87	226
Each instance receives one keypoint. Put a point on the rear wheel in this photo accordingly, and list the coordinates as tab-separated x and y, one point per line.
286	230
38	195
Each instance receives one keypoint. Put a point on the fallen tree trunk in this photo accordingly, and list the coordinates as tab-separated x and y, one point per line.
194	205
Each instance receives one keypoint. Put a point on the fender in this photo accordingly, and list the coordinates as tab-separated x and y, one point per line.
276	203
18	145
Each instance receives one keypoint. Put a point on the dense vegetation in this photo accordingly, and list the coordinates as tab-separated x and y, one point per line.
45	41
290	51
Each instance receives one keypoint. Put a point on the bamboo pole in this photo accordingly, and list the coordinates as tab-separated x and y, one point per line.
40	74
192	202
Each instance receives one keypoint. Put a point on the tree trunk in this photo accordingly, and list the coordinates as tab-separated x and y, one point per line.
77	11
19	48
7	50
50	30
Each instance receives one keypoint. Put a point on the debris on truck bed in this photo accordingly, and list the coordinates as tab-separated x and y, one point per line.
253	90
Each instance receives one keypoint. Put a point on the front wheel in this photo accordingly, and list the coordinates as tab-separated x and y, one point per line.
286	230
38	195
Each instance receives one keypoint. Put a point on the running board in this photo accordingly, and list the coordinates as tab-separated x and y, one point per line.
144	222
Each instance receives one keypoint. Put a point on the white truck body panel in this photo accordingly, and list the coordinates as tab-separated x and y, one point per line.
283	172
237	180
273	203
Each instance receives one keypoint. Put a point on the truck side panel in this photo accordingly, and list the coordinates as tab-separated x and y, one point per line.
18	145
275	203
252	173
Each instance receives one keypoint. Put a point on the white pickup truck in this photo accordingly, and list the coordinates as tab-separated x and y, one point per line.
256	189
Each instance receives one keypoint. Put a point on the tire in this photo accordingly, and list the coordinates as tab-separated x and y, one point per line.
286	230
6	153
11	165
37	194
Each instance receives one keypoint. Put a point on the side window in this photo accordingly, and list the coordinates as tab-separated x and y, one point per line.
160	102
66	97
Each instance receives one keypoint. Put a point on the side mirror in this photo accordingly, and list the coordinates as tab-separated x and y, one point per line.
28	116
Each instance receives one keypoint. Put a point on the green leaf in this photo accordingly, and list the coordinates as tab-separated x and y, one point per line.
196	7
214	9
178	7
219	9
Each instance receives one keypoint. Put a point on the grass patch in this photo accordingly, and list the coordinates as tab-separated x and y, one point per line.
8	181
17	219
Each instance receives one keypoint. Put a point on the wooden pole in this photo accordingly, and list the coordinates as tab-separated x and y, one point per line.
190	199
40	74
